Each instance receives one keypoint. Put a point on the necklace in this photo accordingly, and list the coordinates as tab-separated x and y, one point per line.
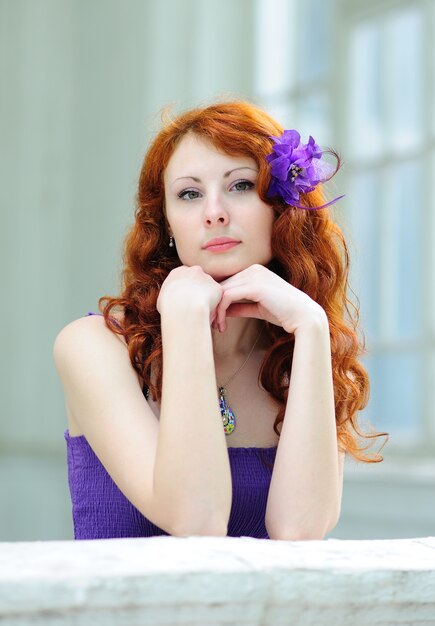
228	417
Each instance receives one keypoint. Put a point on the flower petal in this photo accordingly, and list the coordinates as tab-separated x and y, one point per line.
280	167
287	152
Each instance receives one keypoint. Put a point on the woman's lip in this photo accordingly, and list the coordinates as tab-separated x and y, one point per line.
221	247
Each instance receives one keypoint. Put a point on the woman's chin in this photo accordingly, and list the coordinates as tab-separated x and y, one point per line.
217	277
221	273
220	276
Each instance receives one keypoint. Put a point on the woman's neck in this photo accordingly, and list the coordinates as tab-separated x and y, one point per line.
238	339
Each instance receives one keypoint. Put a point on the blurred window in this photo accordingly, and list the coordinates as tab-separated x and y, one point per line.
360	76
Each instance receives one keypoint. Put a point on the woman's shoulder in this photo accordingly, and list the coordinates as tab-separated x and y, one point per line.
88	340
92	323
90	330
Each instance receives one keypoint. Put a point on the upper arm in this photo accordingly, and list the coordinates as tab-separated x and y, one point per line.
104	395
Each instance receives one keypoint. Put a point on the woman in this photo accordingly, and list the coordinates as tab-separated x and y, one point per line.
232	316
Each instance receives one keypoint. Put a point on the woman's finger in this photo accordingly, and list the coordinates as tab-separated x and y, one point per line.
230	296
242	310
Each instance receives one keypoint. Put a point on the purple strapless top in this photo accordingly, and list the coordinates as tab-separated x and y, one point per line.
101	511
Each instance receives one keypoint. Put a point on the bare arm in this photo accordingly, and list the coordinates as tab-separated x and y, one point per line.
306	485
104	395
192	470
176	472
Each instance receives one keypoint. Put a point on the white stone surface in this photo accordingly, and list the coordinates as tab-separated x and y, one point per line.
217	580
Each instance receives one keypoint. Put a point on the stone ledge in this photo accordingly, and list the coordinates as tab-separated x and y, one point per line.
217	580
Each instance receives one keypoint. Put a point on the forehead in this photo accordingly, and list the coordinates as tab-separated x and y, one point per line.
194	154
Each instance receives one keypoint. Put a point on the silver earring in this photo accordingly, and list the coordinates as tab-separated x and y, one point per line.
171	241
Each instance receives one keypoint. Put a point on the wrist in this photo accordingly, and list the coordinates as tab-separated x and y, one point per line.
185	314
317	323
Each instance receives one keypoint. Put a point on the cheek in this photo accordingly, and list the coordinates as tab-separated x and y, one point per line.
266	226
187	244
260	238
182	231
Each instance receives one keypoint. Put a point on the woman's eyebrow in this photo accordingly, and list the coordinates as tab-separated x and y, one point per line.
198	180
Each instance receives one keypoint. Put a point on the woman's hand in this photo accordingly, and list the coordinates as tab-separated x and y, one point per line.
258	292
186	287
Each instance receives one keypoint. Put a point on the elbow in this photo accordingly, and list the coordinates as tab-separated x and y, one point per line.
303	532
297	534
209	529
333	523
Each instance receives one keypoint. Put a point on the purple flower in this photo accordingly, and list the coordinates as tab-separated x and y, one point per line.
296	168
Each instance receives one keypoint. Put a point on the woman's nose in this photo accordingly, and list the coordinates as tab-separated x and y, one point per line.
215	211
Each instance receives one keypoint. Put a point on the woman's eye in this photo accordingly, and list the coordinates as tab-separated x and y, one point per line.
244	182
240	186
182	194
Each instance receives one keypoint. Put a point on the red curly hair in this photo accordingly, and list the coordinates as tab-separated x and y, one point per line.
309	251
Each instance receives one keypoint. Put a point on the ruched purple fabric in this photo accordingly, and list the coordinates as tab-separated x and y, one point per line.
101	511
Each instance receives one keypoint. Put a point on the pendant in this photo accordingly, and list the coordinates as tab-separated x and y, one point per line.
228	417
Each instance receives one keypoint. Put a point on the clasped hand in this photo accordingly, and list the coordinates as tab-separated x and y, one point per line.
254	292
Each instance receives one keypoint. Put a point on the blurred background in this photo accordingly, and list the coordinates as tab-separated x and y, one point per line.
82	86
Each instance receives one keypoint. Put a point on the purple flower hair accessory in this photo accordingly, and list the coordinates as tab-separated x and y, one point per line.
296	169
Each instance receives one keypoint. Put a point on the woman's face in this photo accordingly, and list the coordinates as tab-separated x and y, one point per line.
210	194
